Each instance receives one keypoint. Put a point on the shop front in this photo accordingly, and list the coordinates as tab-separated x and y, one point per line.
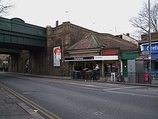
109	64
106	64
82	66
125	56
111	61
154	56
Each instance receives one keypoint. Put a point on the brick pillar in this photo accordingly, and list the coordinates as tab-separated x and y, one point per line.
13	63
49	57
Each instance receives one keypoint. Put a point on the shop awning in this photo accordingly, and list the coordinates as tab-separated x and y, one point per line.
142	57
145	57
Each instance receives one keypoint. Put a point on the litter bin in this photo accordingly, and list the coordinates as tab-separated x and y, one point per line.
96	74
83	72
88	75
146	77
76	74
113	76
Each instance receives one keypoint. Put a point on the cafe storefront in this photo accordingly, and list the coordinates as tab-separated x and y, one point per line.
154	55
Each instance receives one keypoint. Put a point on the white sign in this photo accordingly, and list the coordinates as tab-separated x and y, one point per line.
57	56
111	57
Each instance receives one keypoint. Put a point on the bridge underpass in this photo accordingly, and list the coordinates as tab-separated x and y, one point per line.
23	42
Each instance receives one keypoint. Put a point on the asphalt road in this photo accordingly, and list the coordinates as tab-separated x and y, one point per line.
87	100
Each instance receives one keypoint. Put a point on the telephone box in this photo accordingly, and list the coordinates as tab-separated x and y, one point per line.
138	71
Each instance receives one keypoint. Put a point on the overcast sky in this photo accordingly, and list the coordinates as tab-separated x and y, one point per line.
103	16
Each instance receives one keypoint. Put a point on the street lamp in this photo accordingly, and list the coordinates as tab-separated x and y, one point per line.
149	40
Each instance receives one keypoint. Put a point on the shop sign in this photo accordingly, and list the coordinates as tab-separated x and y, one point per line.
154	47
79	58
111	57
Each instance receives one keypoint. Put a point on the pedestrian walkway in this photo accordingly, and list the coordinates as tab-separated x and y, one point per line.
13	108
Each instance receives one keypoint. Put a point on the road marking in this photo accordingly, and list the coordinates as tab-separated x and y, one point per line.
86	86
148	89
109	89
98	113
44	111
79	84
134	94
112	89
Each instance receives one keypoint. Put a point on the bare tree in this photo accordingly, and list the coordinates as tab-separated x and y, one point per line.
4	7
142	20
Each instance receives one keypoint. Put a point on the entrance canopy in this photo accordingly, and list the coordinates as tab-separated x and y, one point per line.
92	58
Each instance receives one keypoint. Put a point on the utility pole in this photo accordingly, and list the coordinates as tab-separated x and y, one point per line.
149	40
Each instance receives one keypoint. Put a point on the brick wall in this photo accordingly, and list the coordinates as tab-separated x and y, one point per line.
154	36
109	52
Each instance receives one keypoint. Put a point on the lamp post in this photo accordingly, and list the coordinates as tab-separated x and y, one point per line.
149	40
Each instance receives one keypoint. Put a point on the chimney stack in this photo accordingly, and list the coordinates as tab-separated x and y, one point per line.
127	34
57	23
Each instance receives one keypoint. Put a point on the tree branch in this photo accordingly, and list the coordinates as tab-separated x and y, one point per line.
4	8
142	20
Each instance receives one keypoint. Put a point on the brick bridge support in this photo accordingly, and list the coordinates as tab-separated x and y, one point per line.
13	63
37	62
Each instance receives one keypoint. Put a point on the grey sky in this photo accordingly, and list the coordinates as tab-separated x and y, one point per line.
105	16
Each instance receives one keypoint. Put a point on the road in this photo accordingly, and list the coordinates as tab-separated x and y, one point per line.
87	100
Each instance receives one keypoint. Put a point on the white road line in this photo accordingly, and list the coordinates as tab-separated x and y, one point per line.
113	90
106	89
109	89
83	85
134	94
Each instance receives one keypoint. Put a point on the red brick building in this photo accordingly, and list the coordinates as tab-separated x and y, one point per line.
78	43
154	36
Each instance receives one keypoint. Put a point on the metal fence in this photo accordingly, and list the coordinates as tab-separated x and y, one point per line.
131	77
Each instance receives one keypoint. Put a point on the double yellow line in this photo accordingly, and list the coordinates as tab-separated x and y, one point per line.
31	103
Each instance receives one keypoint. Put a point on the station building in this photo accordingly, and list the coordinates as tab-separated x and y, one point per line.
81	48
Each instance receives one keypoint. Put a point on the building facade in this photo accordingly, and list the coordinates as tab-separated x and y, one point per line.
80	48
144	44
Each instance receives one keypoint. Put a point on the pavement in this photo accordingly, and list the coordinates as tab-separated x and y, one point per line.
13	108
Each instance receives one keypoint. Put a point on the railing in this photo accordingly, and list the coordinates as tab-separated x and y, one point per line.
132	77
